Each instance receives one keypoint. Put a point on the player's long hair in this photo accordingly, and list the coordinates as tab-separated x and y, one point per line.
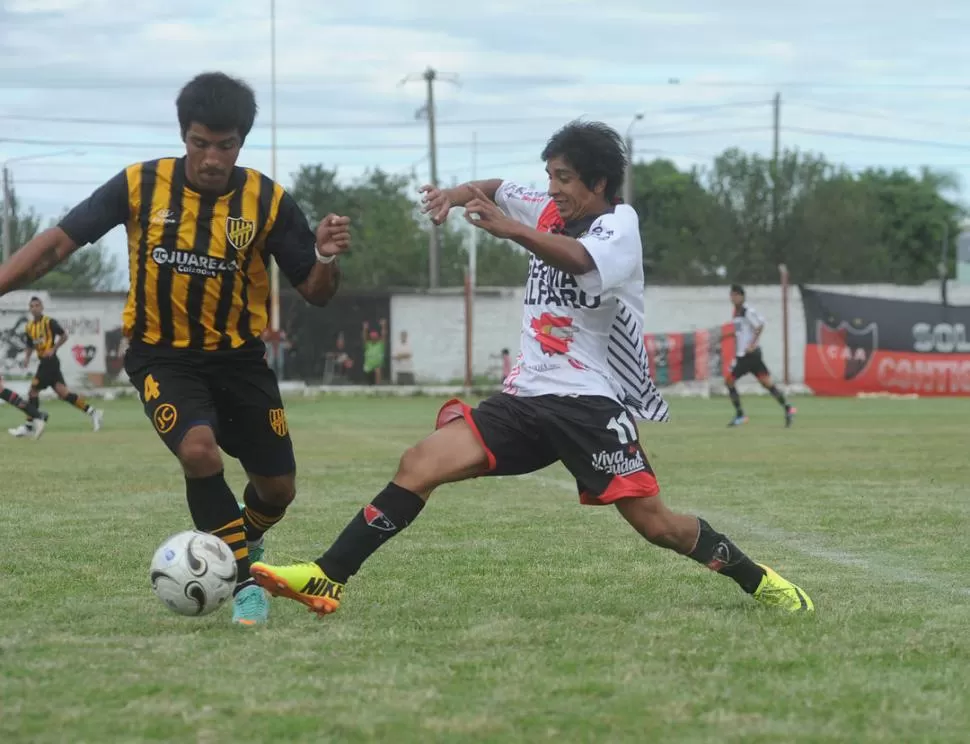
218	102
595	150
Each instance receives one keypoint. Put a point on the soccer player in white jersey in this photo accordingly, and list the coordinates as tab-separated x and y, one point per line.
580	381
748	325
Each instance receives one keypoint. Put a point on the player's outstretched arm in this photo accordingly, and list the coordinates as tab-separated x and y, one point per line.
41	254
559	251
436	203
332	239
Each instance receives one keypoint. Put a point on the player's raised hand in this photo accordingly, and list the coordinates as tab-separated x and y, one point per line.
333	235
483	213
435	203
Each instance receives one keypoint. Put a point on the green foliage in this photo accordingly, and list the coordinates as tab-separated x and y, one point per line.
392	238
831	225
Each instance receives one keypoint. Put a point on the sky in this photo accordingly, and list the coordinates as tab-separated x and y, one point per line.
88	86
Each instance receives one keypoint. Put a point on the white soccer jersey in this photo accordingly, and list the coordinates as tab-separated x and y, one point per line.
583	335
747	322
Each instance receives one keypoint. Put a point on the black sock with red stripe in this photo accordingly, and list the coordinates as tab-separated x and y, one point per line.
779	396
719	554
393	510
214	509
735	399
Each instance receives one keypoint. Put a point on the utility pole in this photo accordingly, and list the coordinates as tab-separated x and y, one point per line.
628	176
430	75
7	216
775	195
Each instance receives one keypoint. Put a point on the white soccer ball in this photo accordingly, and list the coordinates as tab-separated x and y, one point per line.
193	572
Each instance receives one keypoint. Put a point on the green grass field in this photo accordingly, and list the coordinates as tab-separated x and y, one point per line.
507	613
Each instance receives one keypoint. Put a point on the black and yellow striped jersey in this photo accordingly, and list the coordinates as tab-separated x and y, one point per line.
42	333
198	262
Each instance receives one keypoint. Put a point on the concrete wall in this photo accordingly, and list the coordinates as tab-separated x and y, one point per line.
436	323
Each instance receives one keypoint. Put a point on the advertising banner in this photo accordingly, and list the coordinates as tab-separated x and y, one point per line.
873	345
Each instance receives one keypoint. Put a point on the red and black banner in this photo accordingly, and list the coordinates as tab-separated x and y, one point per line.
872	345
690	356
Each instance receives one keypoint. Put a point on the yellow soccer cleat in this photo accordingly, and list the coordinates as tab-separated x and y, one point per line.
304	582
777	591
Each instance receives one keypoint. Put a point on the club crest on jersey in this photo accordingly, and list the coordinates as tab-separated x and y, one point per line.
846	351
240	232
377	519
553	332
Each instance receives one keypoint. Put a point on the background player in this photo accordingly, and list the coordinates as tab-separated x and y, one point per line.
581	379
34	414
201	232
748	325
45	336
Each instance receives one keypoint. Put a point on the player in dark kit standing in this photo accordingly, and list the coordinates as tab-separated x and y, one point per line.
201	234
748	325
581	380
45	336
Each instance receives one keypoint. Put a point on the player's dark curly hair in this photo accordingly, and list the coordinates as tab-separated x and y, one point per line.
737	289
595	150
217	101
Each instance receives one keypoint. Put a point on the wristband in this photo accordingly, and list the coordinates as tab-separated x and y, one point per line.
325	259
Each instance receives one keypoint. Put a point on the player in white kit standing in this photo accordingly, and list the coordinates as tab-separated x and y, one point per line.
579	383
748	326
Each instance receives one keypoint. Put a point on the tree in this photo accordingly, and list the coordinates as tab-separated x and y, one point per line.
89	269
391	237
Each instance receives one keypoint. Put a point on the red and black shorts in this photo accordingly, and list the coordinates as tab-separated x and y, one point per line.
594	437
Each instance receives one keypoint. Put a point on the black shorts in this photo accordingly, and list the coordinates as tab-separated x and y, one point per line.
749	364
48	373
594	437
234	392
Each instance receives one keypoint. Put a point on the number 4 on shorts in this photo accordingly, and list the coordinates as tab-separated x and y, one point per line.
151	388
624	428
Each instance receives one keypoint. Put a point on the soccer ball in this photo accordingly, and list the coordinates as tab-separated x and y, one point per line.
193	573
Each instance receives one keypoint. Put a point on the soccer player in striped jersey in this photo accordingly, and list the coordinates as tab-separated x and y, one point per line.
202	232
748	325
580	381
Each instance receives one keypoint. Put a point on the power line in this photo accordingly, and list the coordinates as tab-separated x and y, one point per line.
370	124
878	138
358	145
878	115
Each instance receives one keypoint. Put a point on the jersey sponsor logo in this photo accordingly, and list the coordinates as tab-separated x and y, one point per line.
240	232
164	217
553	332
846	352
277	422
599	232
190	263
377	519
619	462
550	286
165	418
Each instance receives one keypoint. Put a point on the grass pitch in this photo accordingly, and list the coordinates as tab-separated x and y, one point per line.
507	612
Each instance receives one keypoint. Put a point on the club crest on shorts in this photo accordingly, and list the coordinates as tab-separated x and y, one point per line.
277	421
240	232
165	418
377	519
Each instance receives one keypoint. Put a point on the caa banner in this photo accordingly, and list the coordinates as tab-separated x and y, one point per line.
691	355
870	345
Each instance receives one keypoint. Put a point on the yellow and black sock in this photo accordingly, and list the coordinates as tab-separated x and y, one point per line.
214	509
258	515
78	402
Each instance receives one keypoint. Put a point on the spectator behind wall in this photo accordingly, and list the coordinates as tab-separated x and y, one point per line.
375	344
403	358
